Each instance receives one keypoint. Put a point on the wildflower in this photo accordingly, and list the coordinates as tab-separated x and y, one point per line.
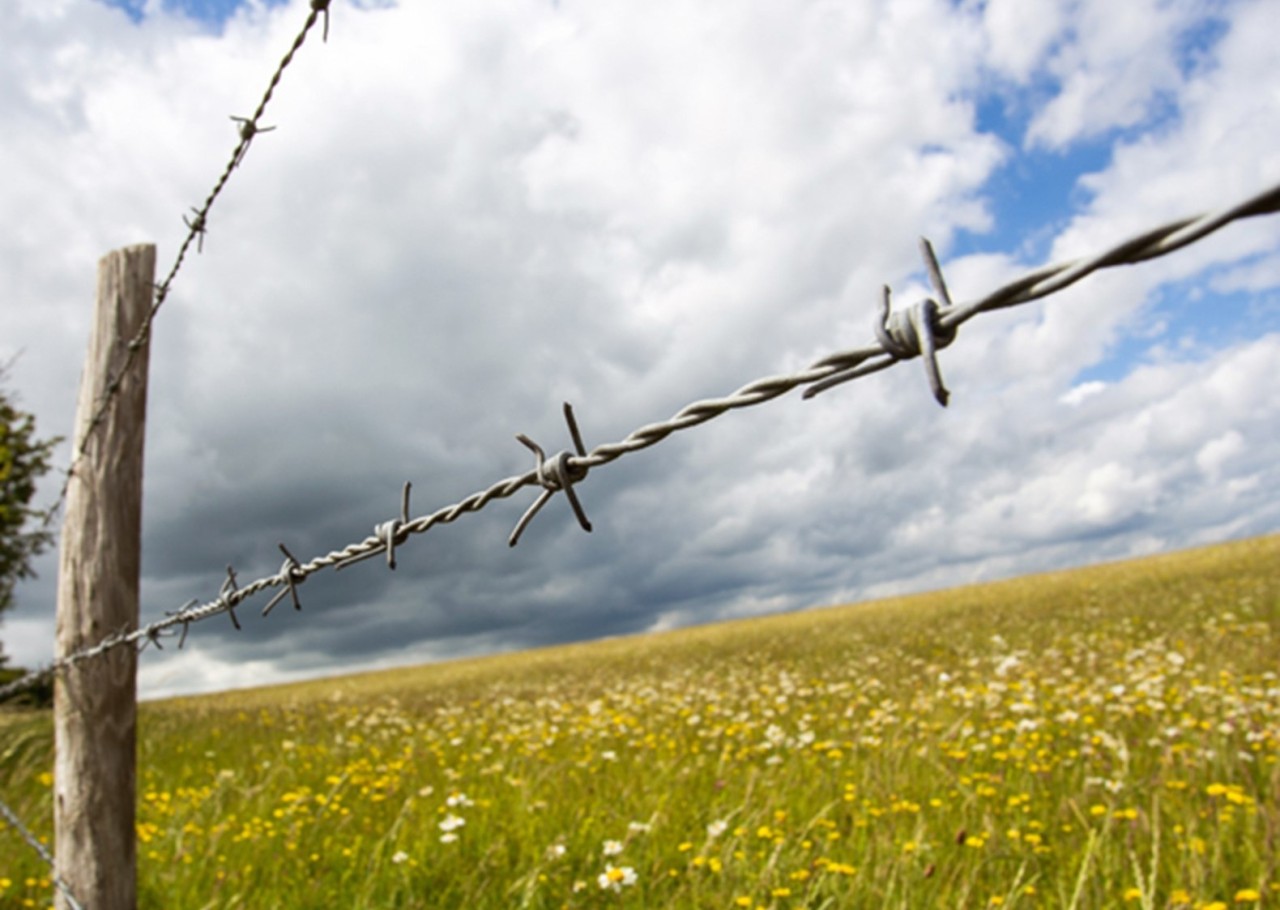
399	857
448	838
1132	894
555	851
451	822
615	878
1247	896
612	847
716	828
638	827
458	799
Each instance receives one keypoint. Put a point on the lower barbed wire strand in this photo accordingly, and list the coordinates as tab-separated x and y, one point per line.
12	818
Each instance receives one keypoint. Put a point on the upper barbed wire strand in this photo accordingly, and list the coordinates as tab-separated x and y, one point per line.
861	361
196	228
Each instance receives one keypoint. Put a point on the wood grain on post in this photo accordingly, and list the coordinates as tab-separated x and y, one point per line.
95	700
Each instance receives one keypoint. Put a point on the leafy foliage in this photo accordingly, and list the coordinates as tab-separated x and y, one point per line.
24	459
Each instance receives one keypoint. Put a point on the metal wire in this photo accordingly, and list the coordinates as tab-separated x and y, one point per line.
921	330
12	818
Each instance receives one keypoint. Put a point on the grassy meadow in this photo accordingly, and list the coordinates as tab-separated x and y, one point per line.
1106	737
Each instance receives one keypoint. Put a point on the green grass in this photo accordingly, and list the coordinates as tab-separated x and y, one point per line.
1106	737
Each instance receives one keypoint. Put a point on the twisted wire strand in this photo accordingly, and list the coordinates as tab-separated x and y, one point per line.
852	363
12	818
196	227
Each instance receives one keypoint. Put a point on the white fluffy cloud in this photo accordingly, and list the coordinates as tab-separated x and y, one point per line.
470	213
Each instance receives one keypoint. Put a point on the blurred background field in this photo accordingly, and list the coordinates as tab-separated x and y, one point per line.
1104	737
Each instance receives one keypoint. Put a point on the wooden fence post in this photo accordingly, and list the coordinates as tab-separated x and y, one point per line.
95	701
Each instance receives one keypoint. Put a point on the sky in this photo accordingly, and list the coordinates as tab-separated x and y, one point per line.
470	213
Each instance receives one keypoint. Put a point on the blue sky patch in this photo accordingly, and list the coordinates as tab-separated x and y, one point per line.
210	12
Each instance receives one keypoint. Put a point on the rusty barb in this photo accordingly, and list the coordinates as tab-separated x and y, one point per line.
919	331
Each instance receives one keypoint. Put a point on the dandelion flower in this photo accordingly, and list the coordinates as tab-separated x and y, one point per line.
615	878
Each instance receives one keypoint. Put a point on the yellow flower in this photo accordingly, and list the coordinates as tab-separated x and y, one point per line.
742	902
1132	894
1247	896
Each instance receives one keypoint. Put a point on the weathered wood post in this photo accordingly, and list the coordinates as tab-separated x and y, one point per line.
95	700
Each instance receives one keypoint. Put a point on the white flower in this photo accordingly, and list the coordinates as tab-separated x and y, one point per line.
448	838
612	847
452	822
555	851
717	827
458	799
400	857
614	878
608	755
638	827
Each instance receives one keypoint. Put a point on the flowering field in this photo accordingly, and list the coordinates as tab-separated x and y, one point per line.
1108	737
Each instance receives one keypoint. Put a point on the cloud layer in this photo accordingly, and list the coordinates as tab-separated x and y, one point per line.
470	214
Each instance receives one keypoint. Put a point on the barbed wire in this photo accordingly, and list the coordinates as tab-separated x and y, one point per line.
12	818
919	331
197	227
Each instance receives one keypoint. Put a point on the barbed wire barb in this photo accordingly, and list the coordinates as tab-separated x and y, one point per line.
224	595
290	577
389	533
555	474
248	129
322	6
914	332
